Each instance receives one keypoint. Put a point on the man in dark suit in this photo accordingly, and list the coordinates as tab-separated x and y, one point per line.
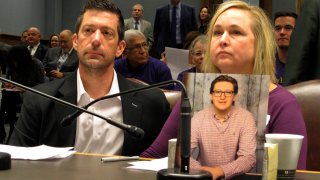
99	39
62	60
303	60
172	24
136	22
36	49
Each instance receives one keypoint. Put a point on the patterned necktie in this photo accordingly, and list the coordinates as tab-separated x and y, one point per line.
62	60
136	25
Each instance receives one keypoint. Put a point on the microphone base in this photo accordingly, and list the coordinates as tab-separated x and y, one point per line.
174	173
5	161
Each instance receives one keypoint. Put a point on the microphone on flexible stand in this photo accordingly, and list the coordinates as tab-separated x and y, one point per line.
185	124
183	142
183	147
132	130
66	121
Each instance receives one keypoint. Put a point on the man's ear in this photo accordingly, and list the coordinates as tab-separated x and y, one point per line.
235	97
75	41
121	47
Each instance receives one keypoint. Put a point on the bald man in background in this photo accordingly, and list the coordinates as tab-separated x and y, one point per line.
36	49
62	60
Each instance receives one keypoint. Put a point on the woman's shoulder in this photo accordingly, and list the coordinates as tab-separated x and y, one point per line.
281	95
283	105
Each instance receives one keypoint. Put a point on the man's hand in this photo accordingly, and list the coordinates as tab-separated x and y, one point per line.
216	171
56	74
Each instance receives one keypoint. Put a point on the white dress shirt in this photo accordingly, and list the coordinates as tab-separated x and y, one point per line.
34	49
95	135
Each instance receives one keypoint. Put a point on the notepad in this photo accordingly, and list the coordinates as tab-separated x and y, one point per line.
37	152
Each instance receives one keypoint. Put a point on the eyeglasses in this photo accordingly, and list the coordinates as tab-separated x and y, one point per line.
198	54
218	93
143	45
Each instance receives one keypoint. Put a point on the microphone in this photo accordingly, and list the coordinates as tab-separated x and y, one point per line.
132	130
185	125
66	121
183	144
185	122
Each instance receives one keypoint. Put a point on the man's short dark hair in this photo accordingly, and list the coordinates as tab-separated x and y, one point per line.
103	5
225	78
285	13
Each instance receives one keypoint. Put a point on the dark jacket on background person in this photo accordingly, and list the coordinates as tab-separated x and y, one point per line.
40	52
52	56
303	61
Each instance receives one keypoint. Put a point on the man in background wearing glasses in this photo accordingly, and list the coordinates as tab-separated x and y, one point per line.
62	60
136	62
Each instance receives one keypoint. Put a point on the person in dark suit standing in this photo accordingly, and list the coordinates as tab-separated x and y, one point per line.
136	22
60	61
98	40
303	61
172	24
36	49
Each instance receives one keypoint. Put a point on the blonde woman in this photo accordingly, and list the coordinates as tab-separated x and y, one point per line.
241	41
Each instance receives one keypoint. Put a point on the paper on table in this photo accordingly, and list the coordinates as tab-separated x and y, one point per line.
153	165
177	60
36	153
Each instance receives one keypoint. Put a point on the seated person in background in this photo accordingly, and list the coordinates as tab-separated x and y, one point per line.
197	50
98	40
53	41
36	49
4	48
23	37
189	38
138	64
204	19
23	69
3	64
60	61
223	137
284	23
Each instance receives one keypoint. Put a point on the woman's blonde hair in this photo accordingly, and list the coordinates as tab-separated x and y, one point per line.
265	44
